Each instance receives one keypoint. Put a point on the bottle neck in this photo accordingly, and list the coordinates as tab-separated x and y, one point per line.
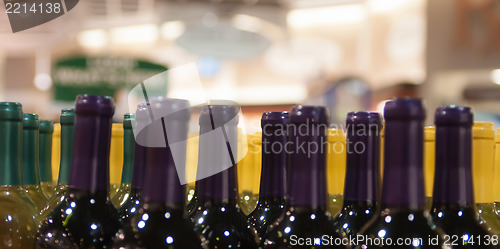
217	154
363	165
67	139
10	152
453	174
90	163
31	167
162	182
274	163
139	166
128	155
403	185
220	187
45	152
307	172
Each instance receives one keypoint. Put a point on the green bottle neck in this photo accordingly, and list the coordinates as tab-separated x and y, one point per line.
67	135
128	155
31	167
10	152
45	152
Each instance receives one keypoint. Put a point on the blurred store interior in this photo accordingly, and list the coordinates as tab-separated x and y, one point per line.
264	54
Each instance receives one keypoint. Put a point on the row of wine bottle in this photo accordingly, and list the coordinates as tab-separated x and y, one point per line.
382	207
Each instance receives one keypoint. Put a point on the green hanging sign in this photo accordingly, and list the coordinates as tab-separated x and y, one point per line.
100	76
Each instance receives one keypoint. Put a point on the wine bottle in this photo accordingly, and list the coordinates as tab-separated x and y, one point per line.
274	162
45	158
86	218
115	158
403	221
217	216
453	198
67	123
133	201
31	168
125	188
17	212
335	168
362	179
160	221
429	160
306	216
483	148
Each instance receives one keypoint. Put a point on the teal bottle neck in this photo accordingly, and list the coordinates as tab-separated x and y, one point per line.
67	135
128	155
31	167
10	152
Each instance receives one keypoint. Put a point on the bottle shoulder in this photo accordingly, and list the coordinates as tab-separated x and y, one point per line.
224	226
351	218
17	219
302	223
129	207
267	209
396	224
85	218
158	226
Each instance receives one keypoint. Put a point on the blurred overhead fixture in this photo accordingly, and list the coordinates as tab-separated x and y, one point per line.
325	16
145	33
246	22
383	6
495	76
43	81
95	38
172	30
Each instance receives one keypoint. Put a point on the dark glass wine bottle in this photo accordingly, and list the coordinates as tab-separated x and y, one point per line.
306	223
362	172
45	158
86	218
17	212
403	221
160	221
272	181
67	121
453	198
217	216
124	191
31	168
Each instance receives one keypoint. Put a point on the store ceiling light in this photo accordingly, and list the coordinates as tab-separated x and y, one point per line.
247	23
172	30
325	16
135	34
495	76
384	6
95	38
43	81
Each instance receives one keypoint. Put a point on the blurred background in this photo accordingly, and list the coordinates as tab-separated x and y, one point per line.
265	54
